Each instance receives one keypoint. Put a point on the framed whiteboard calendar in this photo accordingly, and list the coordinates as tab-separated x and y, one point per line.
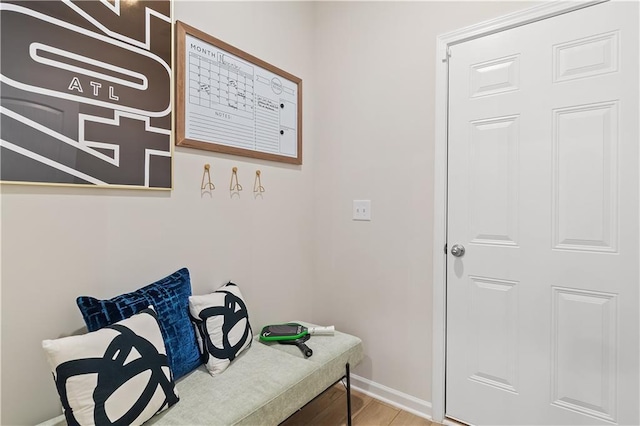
231	102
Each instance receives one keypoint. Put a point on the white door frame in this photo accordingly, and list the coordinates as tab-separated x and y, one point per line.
526	16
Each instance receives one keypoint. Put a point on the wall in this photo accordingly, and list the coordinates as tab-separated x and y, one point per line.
375	140
368	71
58	243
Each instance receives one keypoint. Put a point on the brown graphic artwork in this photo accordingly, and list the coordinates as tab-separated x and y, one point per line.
85	93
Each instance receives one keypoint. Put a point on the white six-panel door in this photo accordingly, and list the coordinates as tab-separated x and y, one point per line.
542	308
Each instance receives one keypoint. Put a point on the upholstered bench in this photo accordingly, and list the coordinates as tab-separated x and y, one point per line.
265	385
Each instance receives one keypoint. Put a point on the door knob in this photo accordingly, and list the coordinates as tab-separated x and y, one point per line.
457	250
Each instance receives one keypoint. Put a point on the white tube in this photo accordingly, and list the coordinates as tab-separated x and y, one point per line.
322	330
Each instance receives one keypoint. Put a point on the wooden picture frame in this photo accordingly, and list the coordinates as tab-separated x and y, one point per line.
231	102
94	108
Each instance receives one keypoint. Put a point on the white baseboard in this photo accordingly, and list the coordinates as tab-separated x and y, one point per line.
406	402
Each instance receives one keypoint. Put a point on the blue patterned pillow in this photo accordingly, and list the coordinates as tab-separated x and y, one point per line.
170	298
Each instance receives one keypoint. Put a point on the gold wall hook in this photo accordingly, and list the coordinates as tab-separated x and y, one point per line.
237	186
257	184
207	185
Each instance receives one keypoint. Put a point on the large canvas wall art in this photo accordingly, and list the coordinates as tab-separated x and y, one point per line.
86	93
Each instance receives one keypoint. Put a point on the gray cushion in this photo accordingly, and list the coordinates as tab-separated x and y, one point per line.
266	384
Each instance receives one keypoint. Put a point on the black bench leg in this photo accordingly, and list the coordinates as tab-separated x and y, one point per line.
348	375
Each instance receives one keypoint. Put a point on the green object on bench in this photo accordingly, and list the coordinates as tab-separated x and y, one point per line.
291	334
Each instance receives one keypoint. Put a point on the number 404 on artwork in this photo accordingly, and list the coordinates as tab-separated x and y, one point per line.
94	108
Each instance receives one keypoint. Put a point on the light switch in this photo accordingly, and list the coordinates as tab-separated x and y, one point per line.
361	209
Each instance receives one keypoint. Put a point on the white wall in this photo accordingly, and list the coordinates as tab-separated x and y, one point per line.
58	243
375	140
368	71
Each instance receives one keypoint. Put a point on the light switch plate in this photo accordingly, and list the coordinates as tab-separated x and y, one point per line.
361	209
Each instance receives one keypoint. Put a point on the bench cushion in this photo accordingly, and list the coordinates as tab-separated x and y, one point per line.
266	384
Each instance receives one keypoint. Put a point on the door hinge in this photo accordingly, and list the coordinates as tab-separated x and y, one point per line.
447	54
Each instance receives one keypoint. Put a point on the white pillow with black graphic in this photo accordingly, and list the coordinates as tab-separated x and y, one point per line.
118	374
223	324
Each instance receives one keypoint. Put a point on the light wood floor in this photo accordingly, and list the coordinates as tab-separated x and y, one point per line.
330	408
